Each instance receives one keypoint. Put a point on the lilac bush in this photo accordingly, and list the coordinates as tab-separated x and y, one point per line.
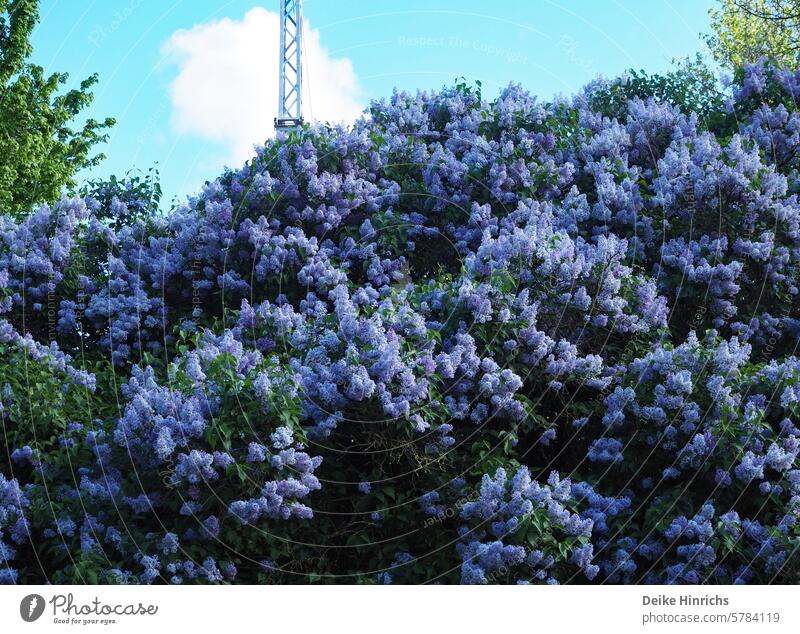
463	340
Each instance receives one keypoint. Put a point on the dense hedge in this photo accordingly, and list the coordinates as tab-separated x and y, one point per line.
472	341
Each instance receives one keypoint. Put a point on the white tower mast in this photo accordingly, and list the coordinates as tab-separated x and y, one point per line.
290	113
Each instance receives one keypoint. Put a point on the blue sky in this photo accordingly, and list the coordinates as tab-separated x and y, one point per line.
191	82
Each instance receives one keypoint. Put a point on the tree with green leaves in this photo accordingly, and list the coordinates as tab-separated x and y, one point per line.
41	148
745	30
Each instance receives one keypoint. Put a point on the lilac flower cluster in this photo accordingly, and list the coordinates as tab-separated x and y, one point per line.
519	509
13	526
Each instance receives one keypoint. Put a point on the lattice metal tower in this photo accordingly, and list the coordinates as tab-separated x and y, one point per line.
290	75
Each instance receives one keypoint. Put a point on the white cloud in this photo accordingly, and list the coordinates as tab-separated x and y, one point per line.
226	89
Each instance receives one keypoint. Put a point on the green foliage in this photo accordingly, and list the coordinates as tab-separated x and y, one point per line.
41	148
745	30
691	85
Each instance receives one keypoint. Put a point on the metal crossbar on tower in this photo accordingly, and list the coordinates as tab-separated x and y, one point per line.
290	75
